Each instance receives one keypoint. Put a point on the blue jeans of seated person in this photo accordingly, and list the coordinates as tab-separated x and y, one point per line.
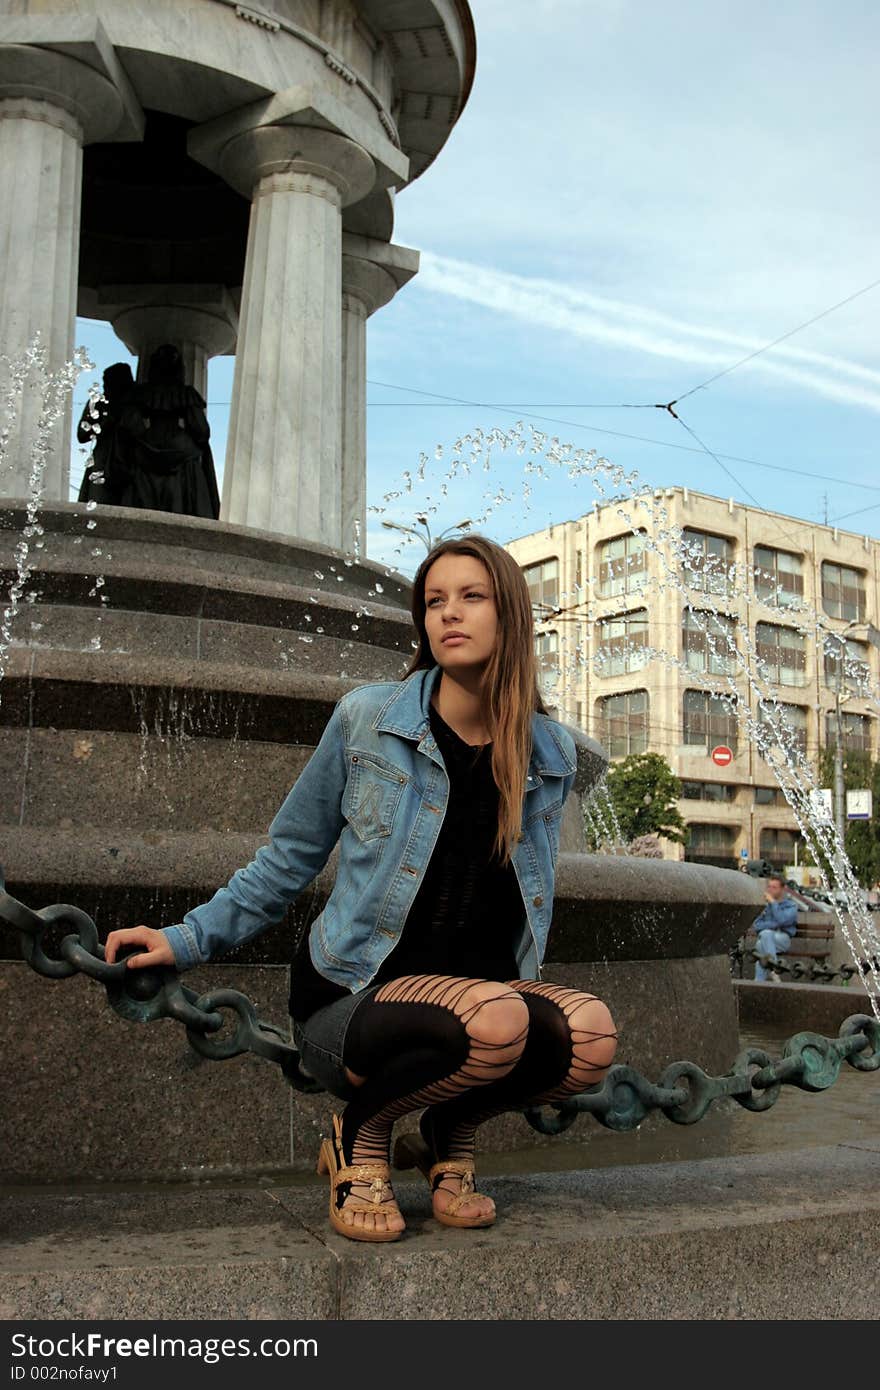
770	943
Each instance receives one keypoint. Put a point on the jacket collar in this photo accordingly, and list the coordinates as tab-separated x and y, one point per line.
405	713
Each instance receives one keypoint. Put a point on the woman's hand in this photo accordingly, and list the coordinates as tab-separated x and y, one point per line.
158	948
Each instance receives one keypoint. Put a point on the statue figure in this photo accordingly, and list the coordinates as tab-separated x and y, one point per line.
161	457
98	424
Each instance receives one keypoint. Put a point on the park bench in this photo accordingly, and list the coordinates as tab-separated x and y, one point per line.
815	937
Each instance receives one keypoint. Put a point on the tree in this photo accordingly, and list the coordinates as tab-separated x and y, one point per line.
862	838
644	790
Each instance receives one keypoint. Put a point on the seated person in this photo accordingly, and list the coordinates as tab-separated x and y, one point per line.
775	927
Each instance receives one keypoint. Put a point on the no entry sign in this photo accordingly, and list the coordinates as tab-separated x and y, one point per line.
722	755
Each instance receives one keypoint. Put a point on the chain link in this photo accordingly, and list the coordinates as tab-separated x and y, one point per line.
683	1094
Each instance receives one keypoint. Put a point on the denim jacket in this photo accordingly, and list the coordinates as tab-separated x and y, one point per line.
377	783
781	915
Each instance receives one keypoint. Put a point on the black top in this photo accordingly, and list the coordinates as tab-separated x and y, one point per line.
468	907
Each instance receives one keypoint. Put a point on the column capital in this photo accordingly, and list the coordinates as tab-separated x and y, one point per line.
373	271
299	124
288	151
68	62
367	283
154	314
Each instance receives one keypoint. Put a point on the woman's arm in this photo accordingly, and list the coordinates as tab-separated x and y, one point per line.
303	834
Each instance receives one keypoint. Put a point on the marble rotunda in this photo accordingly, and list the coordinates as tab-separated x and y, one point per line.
222	176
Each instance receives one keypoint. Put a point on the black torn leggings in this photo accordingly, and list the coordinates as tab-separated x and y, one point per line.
466	1050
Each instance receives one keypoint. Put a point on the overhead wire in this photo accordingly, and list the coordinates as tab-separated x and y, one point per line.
783	337
513	408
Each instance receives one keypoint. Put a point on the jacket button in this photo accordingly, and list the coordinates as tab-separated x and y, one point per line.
538	902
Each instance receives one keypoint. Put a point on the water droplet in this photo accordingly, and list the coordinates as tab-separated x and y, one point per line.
90	525
318	574
90	506
354	627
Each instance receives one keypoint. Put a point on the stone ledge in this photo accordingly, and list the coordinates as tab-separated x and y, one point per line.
798	1006
677	1240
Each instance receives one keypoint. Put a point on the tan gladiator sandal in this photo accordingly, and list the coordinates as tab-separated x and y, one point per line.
411	1151
378	1175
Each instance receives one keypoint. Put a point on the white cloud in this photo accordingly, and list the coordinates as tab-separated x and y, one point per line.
566	308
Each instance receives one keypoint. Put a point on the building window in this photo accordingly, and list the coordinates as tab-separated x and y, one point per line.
779	576
783	652
711	844
579	713
708	720
622	565
624	722
621	643
792	719
769	796
547	654
855	728
707	791
543	583
779	845
707	562
708	642
579	568
843	592
853	672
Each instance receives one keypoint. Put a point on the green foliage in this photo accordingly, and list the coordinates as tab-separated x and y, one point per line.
644	790
862	839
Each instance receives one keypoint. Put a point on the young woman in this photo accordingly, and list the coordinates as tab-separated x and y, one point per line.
418	987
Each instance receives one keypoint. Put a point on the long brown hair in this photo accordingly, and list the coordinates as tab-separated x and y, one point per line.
509	691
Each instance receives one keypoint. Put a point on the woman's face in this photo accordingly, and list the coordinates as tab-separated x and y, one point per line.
459	599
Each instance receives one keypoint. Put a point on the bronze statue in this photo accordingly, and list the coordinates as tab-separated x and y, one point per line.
151	442
161	457
98	425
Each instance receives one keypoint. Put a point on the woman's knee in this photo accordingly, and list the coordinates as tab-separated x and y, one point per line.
593	1032
496	1017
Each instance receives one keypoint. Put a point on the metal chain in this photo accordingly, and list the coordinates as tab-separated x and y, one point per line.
152	992
814	971
683	1093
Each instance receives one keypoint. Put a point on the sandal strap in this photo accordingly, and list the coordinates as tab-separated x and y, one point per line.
463	1197
376	1174
454	1168
364	1172
355	1203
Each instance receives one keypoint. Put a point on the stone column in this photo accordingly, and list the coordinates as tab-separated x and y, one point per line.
365	287
282	460
51	102
372	273
201	322
40	184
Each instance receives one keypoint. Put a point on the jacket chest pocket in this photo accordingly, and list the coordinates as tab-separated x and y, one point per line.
550	816
372	797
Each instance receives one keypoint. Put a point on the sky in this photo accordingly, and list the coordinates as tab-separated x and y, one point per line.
636	197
